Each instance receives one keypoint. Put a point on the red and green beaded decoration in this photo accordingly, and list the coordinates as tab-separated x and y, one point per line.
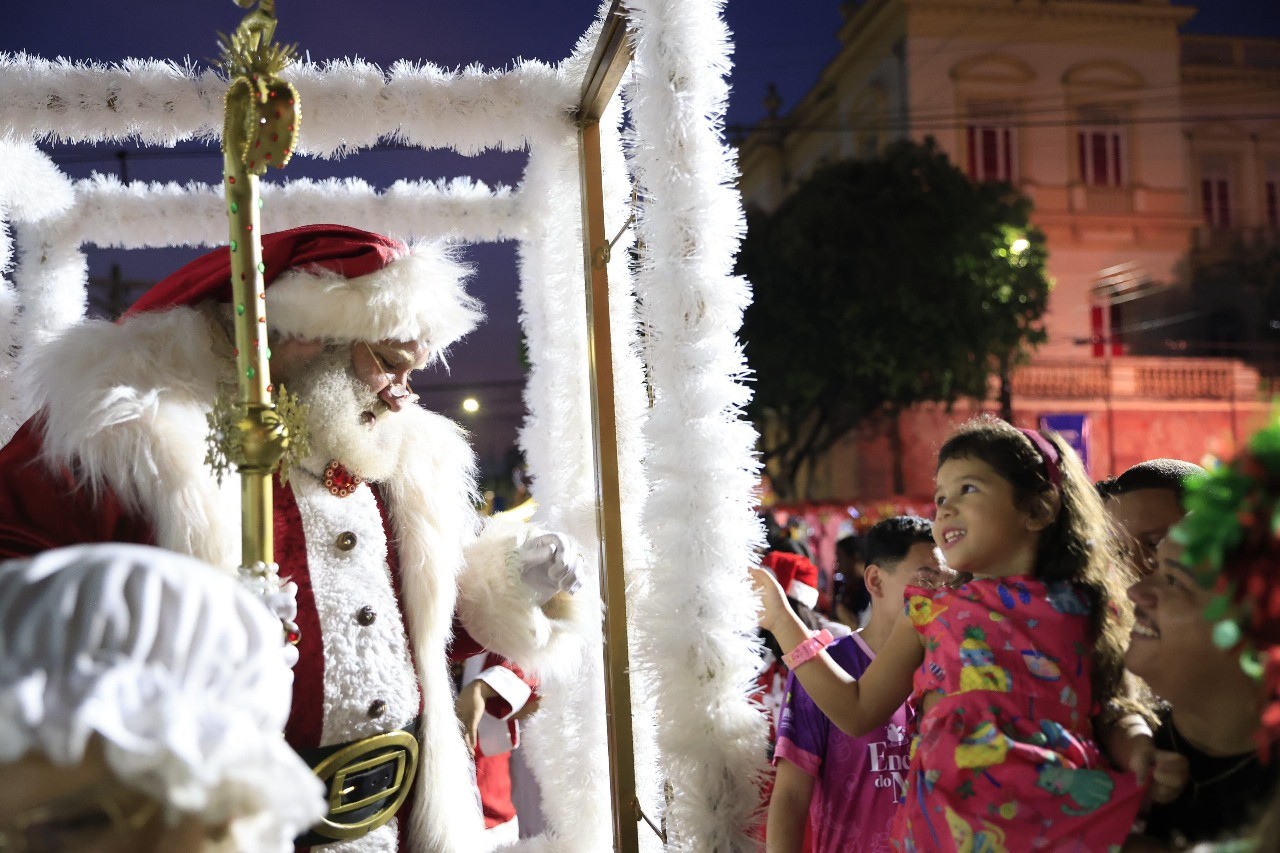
1231	535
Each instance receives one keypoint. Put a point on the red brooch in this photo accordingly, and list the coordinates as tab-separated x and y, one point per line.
339	481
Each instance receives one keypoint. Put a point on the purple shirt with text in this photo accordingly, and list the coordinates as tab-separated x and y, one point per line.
858	780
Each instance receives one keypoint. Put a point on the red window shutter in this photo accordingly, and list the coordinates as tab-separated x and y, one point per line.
1084	158
990	155
1101	174
1116	179
1096	331
973	153
1224	204
1006	174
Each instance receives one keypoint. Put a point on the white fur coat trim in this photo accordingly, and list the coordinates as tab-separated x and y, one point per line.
127	403
418	297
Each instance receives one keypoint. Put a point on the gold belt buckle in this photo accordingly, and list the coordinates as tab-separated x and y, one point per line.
399	747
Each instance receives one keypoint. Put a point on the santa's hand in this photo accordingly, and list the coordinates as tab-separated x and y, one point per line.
549	565
470	708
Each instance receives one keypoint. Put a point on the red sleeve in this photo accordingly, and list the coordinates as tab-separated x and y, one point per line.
462	646
42	509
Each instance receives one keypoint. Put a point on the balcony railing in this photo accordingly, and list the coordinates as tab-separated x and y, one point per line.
1104	200
1144	378
1066	380
1186	382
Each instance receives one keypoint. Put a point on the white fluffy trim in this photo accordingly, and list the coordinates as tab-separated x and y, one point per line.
500	613
416	297
124	406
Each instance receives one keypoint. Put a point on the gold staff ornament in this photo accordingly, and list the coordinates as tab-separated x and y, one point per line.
260	130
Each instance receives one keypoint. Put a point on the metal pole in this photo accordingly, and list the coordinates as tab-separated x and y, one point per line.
611	57
260	127
604	433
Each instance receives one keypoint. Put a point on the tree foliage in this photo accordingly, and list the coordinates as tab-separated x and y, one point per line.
880	284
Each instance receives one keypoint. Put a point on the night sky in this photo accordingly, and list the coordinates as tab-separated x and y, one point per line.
784	41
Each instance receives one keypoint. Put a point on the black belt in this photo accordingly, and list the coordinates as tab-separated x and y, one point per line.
368	781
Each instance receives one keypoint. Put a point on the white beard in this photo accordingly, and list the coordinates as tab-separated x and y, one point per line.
337	417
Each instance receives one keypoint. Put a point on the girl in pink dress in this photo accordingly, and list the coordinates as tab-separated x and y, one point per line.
1011	670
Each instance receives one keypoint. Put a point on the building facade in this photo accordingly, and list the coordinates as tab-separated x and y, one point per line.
1148	153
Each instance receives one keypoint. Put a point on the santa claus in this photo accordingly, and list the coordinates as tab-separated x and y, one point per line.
377	528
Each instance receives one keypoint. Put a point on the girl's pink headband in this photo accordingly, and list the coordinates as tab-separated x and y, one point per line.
1052	468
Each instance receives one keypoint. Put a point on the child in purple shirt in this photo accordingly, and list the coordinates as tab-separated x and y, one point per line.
848	788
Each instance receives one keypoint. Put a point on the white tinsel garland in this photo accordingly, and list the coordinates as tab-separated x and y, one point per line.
346	104
144	215
698	622
557	443
32	191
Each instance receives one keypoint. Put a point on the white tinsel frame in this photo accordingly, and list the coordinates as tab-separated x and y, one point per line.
686	464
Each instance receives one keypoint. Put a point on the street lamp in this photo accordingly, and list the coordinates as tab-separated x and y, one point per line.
471	405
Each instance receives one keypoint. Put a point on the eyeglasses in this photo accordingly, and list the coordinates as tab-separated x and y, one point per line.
75	821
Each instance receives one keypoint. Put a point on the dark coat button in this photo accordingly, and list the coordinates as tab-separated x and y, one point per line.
366	615
345	541
377	708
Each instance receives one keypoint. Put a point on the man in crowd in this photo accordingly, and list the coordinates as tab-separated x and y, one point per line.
845	788
377	528
1211	718
1144	502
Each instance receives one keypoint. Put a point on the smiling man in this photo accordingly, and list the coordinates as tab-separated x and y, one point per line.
1213	708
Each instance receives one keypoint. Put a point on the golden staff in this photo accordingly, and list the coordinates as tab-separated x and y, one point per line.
260	129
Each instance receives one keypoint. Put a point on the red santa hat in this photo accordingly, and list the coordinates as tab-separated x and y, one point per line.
797	576
331	282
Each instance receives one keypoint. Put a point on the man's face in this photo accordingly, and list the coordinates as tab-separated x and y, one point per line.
1144	517
385	367
351	392
922	566
1171	646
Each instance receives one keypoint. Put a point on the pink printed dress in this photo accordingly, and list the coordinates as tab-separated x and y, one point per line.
1005	760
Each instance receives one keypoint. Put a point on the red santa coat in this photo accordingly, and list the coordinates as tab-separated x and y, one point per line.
116	454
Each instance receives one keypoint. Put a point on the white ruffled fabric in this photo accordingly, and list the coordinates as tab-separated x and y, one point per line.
174	667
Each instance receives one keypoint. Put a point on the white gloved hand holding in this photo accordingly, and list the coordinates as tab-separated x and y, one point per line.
550	564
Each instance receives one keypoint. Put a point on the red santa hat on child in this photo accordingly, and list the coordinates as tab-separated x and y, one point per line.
797	575
331	282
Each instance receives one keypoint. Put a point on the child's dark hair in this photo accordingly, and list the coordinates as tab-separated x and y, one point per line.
891	539
1078	546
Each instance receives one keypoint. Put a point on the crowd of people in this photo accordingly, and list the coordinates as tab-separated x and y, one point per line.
1048	664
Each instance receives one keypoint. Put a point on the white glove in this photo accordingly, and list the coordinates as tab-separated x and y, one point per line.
550	564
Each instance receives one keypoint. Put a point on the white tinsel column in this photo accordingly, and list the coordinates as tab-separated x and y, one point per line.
567	738
698	622
32	190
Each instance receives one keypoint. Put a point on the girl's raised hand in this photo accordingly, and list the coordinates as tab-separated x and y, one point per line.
773	602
